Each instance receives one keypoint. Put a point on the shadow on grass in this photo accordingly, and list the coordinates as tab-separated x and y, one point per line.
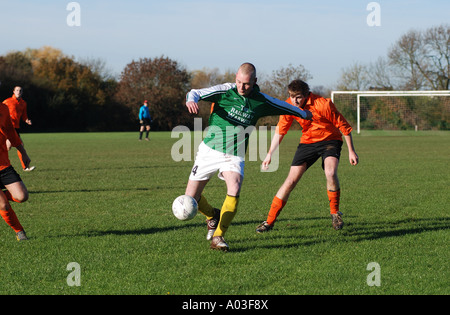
154	230
295	233
146	231
353	232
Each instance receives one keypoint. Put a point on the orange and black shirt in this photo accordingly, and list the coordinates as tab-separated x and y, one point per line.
327	123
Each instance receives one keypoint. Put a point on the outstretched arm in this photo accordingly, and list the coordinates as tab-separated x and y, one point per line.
207	94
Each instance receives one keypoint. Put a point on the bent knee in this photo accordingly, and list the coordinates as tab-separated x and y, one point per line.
22	198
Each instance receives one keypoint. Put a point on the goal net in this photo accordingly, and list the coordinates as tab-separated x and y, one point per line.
395	110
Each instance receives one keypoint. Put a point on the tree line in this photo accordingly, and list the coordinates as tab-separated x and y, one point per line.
418	60
65	94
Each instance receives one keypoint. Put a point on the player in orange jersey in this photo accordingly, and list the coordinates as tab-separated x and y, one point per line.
321	137
11	185
18	111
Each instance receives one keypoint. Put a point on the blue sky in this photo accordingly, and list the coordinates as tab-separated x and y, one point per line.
324	36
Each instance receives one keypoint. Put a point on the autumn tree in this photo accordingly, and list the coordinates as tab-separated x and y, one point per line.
205	78
62	94
161	81
210	77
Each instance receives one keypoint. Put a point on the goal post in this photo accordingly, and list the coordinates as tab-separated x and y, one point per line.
395	110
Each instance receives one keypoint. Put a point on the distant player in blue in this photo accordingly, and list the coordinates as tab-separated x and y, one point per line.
144	119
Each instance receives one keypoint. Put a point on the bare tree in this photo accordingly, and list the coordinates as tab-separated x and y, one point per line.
423	58
380	75
276	85
354	78
437	45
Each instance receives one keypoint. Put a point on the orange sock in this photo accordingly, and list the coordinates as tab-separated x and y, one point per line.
333	197
10	217
275	209
20	158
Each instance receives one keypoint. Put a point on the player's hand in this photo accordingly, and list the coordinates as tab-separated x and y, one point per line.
266	162
192	107
28	122
354	158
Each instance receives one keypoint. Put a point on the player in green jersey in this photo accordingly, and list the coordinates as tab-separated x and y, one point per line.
237	106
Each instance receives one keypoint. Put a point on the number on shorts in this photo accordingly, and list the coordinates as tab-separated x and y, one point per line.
194	170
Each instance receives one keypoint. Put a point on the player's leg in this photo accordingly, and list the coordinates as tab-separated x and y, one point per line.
207	163
16	192
295	173
282	196
147	128
202	171
333	190
305	156
331	173
24	167
15	188
233	181
141	131
195	189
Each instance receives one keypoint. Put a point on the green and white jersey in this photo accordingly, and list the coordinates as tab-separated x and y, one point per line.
234	116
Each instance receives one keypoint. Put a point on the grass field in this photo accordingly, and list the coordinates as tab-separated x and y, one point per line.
103	200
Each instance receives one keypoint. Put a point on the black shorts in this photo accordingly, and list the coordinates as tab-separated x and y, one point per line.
8	176
146	122
310	153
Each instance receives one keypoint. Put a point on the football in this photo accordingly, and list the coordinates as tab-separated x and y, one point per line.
184	208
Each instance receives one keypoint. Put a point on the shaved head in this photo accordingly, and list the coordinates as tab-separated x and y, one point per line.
245	79
248	69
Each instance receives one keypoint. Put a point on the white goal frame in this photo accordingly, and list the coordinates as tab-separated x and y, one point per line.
360	94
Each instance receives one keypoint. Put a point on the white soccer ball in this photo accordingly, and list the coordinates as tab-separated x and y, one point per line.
184	208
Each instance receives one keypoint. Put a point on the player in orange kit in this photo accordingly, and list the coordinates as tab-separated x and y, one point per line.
18	111
12	187
321	137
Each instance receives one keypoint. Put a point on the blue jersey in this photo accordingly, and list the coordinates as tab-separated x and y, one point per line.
144	112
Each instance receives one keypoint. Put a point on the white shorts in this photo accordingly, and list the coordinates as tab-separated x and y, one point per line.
209	161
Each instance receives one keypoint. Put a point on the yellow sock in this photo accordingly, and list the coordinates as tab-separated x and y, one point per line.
205	208
227	214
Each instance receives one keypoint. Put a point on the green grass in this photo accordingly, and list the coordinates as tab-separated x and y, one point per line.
103	200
